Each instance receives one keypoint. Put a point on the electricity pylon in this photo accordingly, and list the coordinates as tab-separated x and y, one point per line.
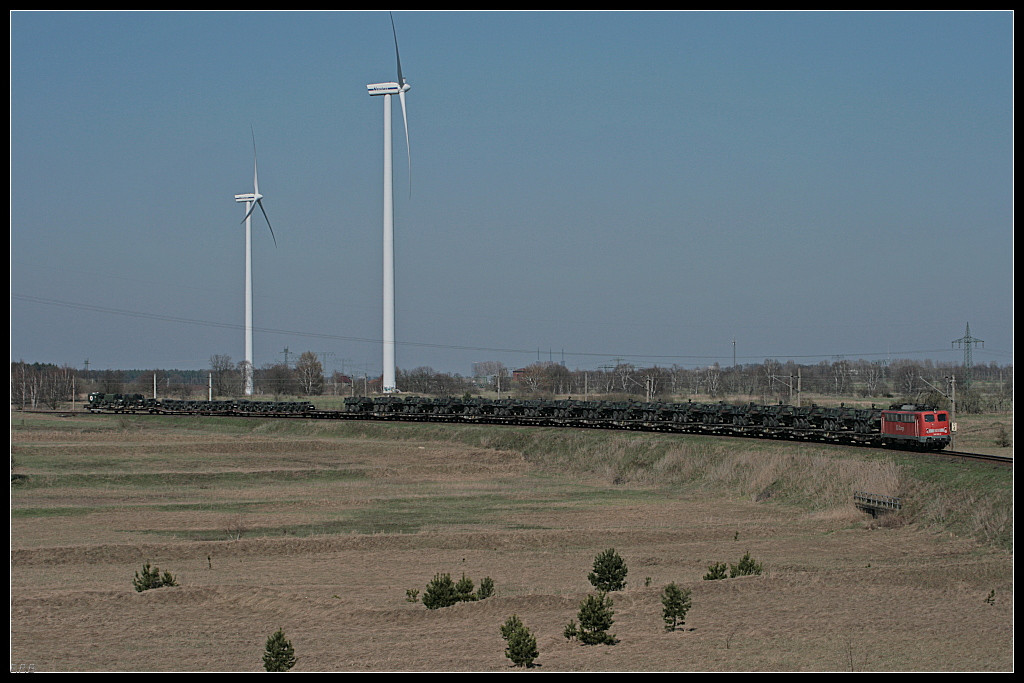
967	343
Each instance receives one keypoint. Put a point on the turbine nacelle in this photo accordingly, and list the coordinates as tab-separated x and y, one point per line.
254	198
385	89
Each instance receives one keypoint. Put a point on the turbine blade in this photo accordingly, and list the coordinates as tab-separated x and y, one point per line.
260	202
255	173
249	212
408	153
401	81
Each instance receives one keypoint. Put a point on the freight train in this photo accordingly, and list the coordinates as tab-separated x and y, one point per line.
908	426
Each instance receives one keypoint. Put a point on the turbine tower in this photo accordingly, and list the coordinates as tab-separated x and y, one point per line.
251	200
387	90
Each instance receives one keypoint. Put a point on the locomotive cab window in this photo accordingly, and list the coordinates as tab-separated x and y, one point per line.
942	417
929	418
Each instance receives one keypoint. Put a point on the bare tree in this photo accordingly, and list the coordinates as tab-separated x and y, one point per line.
772	386
309	373
41	383
604	381
225	377
905	374
654	380
624	375
57	386
842	377
337	383
873	377
559	378
417	380
712	380
493	373
26	384
277	380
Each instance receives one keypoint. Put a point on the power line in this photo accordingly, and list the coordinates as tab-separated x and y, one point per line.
454	347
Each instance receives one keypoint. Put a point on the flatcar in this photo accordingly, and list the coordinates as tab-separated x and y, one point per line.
908	426
915	426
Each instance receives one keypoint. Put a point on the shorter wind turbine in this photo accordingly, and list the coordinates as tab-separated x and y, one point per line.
251	200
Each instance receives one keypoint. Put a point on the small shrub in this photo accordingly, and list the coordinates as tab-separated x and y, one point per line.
676	603
522	645
609	572
510	625
746	567
715	571
464	589
279	655
595	617
522	648
411	595
443	592
571	630
486	588
151	578
440	592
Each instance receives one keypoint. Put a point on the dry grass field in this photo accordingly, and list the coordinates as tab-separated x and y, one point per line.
320	528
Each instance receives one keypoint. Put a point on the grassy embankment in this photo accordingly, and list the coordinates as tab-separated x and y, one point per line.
970	500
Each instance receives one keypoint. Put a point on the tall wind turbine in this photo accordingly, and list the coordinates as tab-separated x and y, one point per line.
251	201
387	90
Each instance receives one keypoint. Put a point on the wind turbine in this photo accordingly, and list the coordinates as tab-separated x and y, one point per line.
251	201
387	90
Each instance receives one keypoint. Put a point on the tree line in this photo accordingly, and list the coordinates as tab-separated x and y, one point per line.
38	385
987	388
305	378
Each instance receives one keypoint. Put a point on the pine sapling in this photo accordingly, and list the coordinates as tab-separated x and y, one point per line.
595	618
609	572
522	644
440	592
746	567
151	578
675	604
279	654
522	648
464	589
715	571
486	588
510	625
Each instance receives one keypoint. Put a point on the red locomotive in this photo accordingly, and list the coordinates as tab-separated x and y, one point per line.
915	426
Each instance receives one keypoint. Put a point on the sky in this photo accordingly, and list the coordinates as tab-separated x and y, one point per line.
658	188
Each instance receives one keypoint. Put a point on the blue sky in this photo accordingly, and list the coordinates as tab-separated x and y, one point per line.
585	185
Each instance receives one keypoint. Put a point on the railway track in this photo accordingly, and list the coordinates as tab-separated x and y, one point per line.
977	457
